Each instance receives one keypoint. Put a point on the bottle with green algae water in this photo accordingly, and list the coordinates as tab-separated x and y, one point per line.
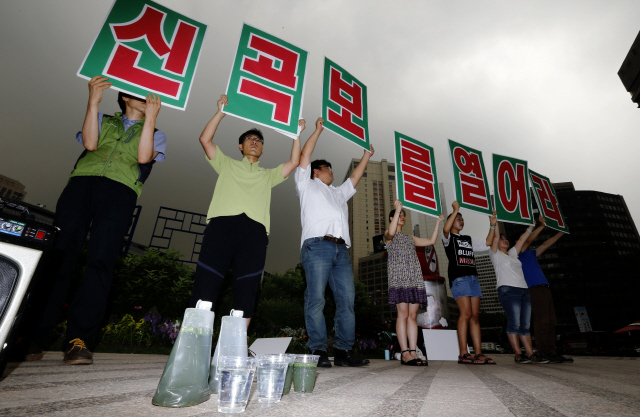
184	381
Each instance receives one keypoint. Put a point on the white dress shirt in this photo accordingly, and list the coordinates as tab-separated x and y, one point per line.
323	208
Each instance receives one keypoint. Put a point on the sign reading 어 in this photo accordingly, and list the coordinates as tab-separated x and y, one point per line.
144	47
266	85
470	185
416	178
547	202
344	105
512	196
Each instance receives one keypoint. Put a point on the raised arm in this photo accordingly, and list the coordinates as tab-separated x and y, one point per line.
546	245
422	241
146	153
359	171
523	238
493	234
393	227
294	160
90	126
310	145
532	236
206	137
452	218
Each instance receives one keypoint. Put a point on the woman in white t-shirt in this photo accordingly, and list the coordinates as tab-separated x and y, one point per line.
513	294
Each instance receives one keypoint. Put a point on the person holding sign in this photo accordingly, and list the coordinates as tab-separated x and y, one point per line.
324	252
406	286
544	315
463	278
99	198
514	295
237	232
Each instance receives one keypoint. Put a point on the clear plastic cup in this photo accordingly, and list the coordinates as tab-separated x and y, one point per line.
304	373
236	377
272	371
289	376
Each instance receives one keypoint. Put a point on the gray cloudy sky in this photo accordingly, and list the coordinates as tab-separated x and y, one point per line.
535	80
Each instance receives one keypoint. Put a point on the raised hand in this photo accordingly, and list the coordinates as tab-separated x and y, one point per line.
493	220
397	205
455	205
371	152
224	101
96	86
542	220
302	123
441	217
153	106
320	123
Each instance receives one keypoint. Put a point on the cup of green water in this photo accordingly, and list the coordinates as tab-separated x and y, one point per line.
289	376
304	372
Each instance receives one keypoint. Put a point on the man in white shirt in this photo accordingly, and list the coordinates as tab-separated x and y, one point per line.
324	253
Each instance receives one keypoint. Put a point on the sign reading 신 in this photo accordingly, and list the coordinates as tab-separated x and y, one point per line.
547	202
470	186
416	177
344	105
144	47
266	85
512	196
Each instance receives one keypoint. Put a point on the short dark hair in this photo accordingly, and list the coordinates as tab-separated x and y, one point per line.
457	214
121	103
317	164
512	239
253	131
393	213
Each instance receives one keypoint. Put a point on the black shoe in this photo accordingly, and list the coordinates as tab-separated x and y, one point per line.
76	353
565	359
347	358
34	353
323	362
535	358
552	357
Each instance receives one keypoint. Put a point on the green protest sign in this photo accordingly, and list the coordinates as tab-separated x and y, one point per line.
470	185
144	47
266	85
416	176
547	202
344	105
511	191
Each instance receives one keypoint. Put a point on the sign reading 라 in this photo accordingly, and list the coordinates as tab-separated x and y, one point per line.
344	105
144	47
266	85
510	185
470	185
547	202
416	177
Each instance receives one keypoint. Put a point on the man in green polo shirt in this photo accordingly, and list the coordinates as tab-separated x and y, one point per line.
238	219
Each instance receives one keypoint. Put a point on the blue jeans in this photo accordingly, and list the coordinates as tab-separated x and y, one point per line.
516	303
467	286
326	262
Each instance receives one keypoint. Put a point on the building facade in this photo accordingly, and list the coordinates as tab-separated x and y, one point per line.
11	189
487	277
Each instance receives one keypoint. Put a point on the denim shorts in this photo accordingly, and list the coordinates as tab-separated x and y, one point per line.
466	287
516	303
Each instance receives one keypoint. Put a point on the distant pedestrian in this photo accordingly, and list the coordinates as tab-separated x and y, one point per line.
406	286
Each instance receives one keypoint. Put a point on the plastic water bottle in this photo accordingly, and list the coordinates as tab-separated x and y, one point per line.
184	380
231	342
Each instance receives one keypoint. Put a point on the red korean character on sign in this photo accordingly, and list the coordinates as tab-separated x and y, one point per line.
517	181
471	178
417	175
349	106
548	201
124	62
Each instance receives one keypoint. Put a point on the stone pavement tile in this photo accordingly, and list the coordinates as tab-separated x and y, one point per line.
459	410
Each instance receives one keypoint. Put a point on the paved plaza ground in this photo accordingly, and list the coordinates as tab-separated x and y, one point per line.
121	384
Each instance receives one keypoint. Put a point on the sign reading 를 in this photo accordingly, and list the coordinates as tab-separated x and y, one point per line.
144	47
470	185
547	202
266	85
416	177
344	105
512	196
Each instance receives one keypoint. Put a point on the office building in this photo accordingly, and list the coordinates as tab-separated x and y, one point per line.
11	189
487	277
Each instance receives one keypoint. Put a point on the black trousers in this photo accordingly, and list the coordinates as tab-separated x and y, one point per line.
236	242
104	208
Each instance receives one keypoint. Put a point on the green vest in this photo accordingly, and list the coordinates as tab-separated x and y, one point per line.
117	155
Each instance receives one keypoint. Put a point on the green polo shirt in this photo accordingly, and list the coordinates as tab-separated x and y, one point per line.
243	187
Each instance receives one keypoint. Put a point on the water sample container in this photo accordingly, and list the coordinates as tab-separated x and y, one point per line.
231	342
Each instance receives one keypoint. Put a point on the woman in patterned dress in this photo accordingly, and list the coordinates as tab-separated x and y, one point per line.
406	287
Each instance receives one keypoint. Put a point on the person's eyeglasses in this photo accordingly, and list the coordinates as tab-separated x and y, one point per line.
254	139
326	166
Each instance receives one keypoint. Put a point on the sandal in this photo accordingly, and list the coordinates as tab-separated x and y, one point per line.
412	362
421	362
486	361
465	359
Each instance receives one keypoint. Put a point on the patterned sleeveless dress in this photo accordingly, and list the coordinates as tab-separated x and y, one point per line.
405	275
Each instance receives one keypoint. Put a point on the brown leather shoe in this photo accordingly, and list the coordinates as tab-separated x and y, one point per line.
76	353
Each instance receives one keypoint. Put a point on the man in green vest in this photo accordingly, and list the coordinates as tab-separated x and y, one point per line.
99	198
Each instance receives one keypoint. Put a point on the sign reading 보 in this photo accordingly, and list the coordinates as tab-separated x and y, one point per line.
266	85
145	47
512	196
344	105
547	202
470	186
416	178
